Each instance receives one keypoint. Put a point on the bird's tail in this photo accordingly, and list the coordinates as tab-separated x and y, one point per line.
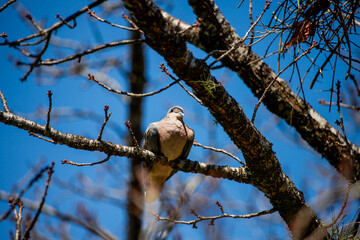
155	181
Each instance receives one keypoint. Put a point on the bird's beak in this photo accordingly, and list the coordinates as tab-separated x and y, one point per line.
180	115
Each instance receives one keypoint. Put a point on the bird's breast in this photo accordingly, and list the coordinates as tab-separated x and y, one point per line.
173	138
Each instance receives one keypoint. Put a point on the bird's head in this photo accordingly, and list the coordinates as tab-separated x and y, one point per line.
177	111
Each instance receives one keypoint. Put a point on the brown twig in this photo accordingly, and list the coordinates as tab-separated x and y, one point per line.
38	136
92	14
56	25
3	100
218	150
38	59
107	116
32	181
17	215
212	218
7	4
338	100
84	53
32	21
323	102
47	125
66	22
33	222
135	142
165	70
85	164
343	206
126	17
51	211
276	77
137	95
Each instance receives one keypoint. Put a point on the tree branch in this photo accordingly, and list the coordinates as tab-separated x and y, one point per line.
238	174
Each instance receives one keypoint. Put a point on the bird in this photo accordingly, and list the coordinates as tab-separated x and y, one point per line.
169	137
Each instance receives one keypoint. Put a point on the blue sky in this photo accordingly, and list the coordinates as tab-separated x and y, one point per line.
19	151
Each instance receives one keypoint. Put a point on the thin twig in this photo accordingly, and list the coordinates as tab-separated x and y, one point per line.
343	206
32	181
107	116
17	215
84	164
276	77
136	95
56	25
3	100
33	222
38	136
47	125
240	3
6	5
92	14
237	45
323	102
38	59
338	100
66	22
212	218
126	17
164	69
218	150
86	52
65	217
135	142
32	21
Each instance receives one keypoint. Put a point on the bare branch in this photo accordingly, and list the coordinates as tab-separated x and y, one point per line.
31	182
138	95
97	230
40	137
86	52
135	142
92	14
219	150
47	126
7	4
85	164
33	222
3	100
276	77
164	69
238	174
55	26
213	218
343	205
323	102
38	58
237	45
107	116
65	22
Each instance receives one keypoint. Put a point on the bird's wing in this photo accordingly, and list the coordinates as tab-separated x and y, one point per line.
152	139
188	144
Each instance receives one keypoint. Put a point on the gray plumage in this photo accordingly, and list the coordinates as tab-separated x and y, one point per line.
169	137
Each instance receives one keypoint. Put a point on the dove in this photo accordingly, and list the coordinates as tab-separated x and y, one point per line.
169	137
